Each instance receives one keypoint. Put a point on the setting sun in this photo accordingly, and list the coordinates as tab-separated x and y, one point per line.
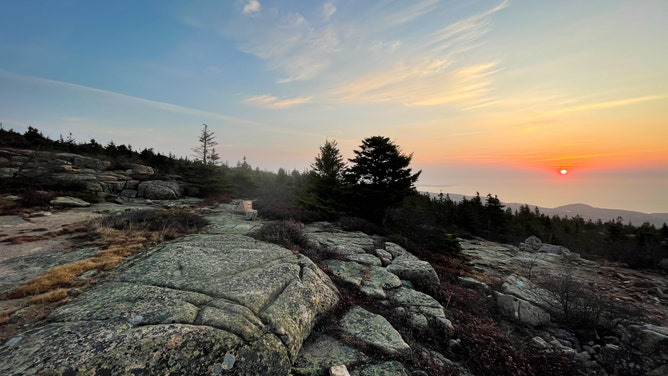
563	171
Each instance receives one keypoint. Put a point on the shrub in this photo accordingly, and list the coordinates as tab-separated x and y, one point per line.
581	308
171	222
277	210
9	206
34	197
360	224
288	234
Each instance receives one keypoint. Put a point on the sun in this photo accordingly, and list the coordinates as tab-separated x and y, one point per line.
563	171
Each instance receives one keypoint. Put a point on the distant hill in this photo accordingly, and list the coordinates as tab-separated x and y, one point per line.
587	212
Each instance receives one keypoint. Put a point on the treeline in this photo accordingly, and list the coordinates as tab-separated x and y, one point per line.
643	246
374	192
210	179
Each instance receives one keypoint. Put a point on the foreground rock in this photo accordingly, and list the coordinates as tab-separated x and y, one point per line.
365	339
624	300
205	304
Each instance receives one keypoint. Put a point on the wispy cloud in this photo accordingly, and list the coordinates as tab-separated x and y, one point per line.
270	101
127	99
430	72
610	104
292	44
425	84
365	55
328	10
406	15
252	6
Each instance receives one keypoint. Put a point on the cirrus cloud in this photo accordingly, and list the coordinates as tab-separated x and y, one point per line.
270	101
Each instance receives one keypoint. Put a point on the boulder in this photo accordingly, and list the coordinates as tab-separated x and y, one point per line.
384	256
553	249
391	368
336	240
473	283
160	190
528	291
128	193
200	305
139	169
422	310
80	161
339	370
652	340
321	351
372	330
371	280
410	268
251	215
531	244
244	207
70	202
521	310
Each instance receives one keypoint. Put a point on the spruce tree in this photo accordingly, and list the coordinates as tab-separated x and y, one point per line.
379	177
205	152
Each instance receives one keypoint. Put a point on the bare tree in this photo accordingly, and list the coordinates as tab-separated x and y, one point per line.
205	152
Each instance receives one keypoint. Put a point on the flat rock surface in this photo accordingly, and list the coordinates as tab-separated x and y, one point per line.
374	331
644	289
183	309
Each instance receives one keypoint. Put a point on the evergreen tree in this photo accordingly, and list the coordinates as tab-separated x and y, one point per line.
329	163
205	152
325	181
379	177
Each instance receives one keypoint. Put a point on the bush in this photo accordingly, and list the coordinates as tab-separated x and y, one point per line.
34	197
581	308
360	224
172	223
288	234
279	210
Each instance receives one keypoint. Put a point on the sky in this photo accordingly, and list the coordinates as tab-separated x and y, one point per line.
489	96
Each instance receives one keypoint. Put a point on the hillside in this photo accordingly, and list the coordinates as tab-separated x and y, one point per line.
587	212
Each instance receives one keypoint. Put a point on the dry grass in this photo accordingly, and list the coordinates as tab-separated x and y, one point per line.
125	243
6	315
50	297
119	237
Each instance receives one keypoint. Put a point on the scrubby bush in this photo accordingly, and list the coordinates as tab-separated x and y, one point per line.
280	210
581	307
39	198
288	234
360	224
172	223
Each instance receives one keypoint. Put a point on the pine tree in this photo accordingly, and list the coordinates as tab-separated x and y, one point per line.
329	164
205	152
380	177
323	191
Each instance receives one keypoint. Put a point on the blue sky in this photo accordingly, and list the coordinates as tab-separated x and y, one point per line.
490	96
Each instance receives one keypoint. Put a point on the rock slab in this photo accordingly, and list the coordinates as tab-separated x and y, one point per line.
204	304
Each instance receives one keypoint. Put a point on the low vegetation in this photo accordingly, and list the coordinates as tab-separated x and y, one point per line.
581	308
286	233
118	236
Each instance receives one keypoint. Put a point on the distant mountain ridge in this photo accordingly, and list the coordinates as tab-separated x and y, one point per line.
585	211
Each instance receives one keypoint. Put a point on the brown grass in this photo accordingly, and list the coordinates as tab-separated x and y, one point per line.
126	244
50	297
6	315
119	236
